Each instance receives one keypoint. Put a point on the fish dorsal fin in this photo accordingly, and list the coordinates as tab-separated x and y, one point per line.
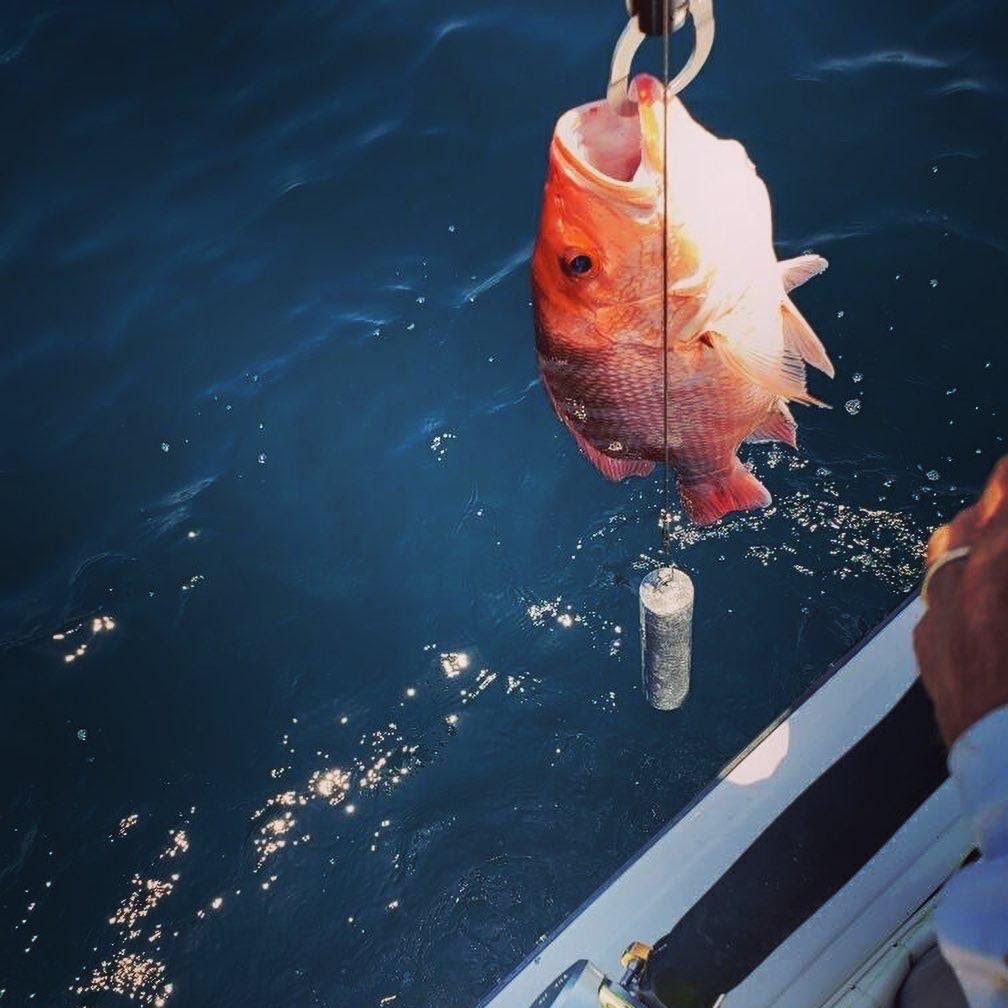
777	425
794	272
799	337
783	374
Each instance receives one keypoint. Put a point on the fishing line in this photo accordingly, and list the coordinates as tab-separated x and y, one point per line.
666	593
665	515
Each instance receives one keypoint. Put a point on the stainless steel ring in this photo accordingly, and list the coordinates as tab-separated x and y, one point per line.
702	13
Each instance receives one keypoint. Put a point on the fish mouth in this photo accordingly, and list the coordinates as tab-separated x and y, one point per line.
619	151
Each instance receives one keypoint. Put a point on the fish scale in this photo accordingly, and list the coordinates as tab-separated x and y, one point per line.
616	396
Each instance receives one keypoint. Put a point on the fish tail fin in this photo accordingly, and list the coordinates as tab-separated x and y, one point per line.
737	490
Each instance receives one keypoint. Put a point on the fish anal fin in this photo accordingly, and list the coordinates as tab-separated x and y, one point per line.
613	469
782	374
801	338
778	425
705	501
794	272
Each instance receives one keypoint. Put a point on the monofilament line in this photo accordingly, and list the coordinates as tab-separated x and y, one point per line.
665	515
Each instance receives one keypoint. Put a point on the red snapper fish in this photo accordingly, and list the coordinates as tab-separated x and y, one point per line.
737	345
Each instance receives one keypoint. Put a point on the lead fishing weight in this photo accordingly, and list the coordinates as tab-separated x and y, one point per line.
666	619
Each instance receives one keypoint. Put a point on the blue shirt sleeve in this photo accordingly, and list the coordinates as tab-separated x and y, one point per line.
972	916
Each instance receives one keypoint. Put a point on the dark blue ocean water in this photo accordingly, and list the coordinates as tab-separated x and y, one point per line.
319	668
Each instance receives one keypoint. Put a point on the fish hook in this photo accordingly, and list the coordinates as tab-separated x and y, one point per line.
702	13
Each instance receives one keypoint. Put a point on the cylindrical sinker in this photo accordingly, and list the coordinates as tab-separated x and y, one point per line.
666	616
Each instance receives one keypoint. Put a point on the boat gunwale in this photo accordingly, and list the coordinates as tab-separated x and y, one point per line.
831	670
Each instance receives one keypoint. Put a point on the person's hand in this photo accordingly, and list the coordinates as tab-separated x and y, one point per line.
962	639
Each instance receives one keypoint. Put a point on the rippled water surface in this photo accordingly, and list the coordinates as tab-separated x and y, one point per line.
320	670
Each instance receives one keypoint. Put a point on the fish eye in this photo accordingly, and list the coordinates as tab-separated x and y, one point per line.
578	264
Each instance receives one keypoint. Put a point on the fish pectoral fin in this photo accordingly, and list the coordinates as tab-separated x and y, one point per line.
800	337
794	272
782	374
778	425
613	469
